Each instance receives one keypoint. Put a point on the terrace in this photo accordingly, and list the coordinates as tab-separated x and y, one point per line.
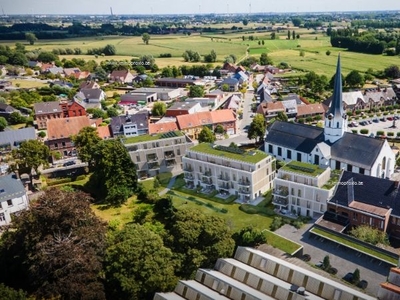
251	157
303	168
152	137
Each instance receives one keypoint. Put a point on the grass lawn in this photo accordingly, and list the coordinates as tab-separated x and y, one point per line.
359	247
281	243
121	215
27	84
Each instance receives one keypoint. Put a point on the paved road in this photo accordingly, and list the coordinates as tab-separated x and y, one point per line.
385	126
345	260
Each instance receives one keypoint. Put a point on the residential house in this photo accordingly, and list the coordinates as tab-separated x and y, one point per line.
351	101
74	72
11	139
89	85
229	84
193	124
62	83
60	131
90	98
55	70
379	97
257	68
177	82
229	67
5	84
242	77
163	126
230	171
163	94
183	108
157	153
270	110
331	146
122	76
34	64
255	274
72	109
6	110
44	68
104	132
45	111
130	125
216	94
233	103
206	103
290	107
13	198
310	110
365	200
304	189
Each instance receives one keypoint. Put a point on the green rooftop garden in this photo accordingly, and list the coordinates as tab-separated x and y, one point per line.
253	156
150	137
303	168
335	176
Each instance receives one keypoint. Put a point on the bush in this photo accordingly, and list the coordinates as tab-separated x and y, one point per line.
354	131
364	131
380	132
277	223
398	134
390	133
332	271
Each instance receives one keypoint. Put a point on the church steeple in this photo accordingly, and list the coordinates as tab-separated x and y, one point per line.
336	119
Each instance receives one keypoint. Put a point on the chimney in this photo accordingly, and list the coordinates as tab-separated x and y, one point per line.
350	191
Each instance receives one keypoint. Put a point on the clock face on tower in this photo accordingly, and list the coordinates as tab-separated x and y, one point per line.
345	116
330	116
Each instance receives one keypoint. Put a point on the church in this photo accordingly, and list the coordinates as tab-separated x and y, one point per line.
331	146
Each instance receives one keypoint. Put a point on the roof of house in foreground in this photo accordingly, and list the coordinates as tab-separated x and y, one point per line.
253	156
10	187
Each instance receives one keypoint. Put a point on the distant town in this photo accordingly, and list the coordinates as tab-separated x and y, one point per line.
202	156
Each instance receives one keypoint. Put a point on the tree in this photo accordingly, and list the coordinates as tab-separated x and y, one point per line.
356	276
249	237
146	38
85	142
288	34
282	116
31	38
198	240
114	177
328	52
109	50
54	250
206	136
225	87
19	47
137	264
326	264
354	79
112	112
302	53
392	72
42	134
296	22
219	129
257	128
159	109
265	59
47	57
245	22
30	155
293	35
11	294
101	74
273	36
98	113
196	91
3	123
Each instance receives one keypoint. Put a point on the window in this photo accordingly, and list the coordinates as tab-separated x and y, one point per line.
337	165
9	203
349	168
200	169
55	145
298	202
234	177
2	217
322	208
299	193
292	191
279	151
63	144
362	171
298	156
178	152
289	154
337	125
308	204
317	197
270	148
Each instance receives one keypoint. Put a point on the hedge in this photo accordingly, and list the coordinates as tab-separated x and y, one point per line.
354	131
364	131
390	133
380	132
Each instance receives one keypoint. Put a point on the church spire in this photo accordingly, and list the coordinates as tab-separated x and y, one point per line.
336	109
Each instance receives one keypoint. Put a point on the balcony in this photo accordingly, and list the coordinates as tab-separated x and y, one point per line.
189	176
170	162
245	192
283	193
244	183
224	178
153	166
169	155
207	174
280	201
152	157
206	180
188	169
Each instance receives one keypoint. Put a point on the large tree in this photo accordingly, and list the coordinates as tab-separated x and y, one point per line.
30	155
3	123
54	250
114	177
257	128
146	38
196	91
265	59
159	109
198	240
31	38
85	142
206	135
354	79
137	264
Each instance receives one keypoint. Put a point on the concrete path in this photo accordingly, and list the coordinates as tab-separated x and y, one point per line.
170	185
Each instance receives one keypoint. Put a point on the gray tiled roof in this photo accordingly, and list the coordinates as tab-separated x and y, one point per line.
14	137
10	187
47	107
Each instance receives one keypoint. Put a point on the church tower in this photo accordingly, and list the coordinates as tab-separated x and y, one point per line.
336	118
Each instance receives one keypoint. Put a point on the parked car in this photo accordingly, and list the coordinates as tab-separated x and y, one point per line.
390	118
396	117
319	264
371	135
354	124
363	284
69	163
363	123
306	257
369	122
383	119
375	120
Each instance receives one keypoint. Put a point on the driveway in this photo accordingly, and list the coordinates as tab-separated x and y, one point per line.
341	258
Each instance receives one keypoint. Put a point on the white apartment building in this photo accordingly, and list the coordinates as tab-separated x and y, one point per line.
230	171
304	189
13	198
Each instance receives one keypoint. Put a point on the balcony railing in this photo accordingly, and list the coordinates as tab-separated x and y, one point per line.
169	155
151	158
224	187
246	192
154	166
244	182
188	169
224	178
280	201
280	192
206	180
188	176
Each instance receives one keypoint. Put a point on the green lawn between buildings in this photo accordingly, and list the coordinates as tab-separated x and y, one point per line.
351	244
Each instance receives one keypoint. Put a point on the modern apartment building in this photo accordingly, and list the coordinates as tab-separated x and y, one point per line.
304	189
230	171
157	153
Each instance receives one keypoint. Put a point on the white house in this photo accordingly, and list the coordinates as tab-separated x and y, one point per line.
304	189
13	198
229	171
331	146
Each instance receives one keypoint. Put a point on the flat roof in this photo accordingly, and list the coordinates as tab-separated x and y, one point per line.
253	156
330	225
151	137
303	168
202	289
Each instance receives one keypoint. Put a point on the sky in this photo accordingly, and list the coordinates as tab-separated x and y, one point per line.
189	6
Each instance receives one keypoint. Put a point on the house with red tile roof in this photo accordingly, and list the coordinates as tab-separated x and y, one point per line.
123	76
310	110
270	110
163	127
192	124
